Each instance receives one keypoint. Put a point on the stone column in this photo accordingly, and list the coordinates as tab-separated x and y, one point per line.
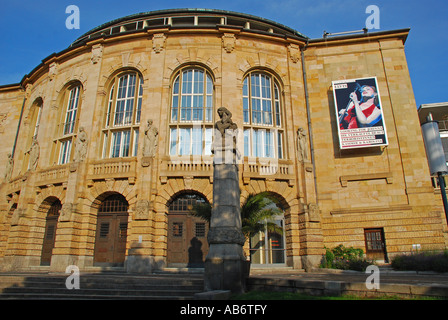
225	265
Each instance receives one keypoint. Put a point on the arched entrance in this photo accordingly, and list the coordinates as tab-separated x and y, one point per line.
187	235
268	247
111	231
51	225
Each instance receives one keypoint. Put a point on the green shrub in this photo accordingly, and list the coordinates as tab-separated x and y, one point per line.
423	261
344	258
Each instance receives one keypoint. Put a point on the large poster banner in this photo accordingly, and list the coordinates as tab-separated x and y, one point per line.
359	113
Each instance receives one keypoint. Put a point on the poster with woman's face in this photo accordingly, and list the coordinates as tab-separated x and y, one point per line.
359	113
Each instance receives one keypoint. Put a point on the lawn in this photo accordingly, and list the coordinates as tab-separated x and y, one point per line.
263	295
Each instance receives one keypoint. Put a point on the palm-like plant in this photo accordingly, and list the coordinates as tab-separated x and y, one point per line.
256	214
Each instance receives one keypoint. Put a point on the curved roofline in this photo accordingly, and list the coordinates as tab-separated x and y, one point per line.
190	11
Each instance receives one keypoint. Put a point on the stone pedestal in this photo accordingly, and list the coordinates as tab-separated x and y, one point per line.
226	267
225	264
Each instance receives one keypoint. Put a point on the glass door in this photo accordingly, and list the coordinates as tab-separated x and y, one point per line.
268	247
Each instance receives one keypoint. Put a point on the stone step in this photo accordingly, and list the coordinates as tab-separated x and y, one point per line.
100	286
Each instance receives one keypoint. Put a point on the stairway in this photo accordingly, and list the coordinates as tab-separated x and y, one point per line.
100	286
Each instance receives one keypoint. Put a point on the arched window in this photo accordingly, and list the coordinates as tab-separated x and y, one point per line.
191	117
32	138
262	116
68	124
120	131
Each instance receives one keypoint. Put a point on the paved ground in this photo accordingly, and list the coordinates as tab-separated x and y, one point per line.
323	281
386	276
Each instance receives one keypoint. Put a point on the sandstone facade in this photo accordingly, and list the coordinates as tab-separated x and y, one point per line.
329	198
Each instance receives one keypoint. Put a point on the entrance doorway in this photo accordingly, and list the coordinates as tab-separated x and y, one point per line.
111	232
51	225
375	244
187	235
267	247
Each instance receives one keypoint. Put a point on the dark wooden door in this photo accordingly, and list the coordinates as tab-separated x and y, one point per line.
375	244
111	231
111	235
187	235
49	240
51	225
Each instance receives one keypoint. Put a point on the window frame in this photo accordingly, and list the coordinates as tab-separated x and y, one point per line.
68	121
184	116
263	116
123	115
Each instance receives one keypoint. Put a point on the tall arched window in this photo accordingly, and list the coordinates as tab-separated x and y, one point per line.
34	120
191	118
123	116
262	116
70	105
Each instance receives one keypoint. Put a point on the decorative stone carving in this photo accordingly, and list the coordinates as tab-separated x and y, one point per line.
34	154
3	117
66	212
150	142
9	167
224	146
294	52
302	153
80	146
226	235
142	210
97	53
313	212
158	42
52	70
228	42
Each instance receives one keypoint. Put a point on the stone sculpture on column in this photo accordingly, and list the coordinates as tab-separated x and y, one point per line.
226	267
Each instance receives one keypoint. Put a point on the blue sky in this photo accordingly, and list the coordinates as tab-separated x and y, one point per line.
31	30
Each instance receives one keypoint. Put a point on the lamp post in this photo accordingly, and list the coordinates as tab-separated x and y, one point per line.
435	155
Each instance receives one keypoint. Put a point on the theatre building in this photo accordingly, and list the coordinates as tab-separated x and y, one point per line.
106	146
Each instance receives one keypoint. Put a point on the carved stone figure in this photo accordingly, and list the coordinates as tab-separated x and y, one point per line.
226	132
225	122
80	146
9	167
302	145
66	212
150	142
34	154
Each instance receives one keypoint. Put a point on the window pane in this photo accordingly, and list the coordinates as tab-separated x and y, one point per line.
64	154
280	145
116	142
139	102
135	147
72	107
268	144
126	136
124	107
197	141
184	141
246	142
173	141
208	141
